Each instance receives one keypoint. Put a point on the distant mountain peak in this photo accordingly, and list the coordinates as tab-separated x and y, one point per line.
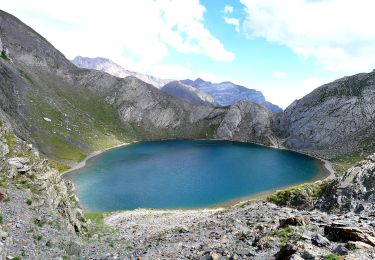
107	65
199	81
227	93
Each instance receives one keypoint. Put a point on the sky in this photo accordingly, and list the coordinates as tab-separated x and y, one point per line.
283	48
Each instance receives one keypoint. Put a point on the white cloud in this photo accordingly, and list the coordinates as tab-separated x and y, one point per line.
228	9
305	86
337	33
233	21
280	75
284	94
136	34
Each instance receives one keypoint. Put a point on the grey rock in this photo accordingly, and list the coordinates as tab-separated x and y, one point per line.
247	122
74	248
188	93
341	250
334	119
320	240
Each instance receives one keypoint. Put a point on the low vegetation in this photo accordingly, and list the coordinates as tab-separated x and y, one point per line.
59	166
332	256
4	56
343	163
10	140
299	196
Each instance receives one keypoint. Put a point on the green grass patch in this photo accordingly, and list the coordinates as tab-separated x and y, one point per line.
343	163
285	234
1	220
64	150
10	140
95	217
58	166
332	256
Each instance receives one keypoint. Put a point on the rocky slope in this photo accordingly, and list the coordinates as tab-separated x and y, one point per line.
40	216
114	69
182	91
335	119
248	122
228	93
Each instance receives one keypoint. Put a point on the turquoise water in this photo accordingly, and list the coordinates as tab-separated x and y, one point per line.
186	174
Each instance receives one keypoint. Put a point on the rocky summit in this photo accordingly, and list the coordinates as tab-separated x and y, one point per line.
53	114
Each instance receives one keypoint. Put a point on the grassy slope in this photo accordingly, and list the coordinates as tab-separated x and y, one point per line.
80	122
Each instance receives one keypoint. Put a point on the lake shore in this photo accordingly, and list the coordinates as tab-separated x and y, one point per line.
91	156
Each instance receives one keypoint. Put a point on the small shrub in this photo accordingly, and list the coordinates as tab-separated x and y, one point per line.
4	56
29	202
1	219
332	256
49	243
284	234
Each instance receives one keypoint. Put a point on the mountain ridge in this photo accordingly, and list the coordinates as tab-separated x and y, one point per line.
235	93
227	93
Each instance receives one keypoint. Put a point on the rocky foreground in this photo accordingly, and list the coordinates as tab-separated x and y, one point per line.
40	218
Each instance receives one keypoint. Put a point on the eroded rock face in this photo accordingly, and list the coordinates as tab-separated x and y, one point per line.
353	191
247	122
335	119
37	207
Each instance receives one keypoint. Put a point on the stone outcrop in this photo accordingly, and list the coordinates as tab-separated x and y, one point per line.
341	232
352	191
247	122
335	119
37	206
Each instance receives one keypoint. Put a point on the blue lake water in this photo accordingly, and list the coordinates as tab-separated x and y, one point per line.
186	174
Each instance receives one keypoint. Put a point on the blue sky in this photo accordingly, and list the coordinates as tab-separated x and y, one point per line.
283	48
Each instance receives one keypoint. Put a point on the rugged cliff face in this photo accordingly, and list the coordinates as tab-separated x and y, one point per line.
335	119
248	122
353	191
40	216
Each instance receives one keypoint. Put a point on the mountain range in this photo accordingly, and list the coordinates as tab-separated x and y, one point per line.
206	93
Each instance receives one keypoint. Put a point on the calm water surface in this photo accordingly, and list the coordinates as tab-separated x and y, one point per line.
186	174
